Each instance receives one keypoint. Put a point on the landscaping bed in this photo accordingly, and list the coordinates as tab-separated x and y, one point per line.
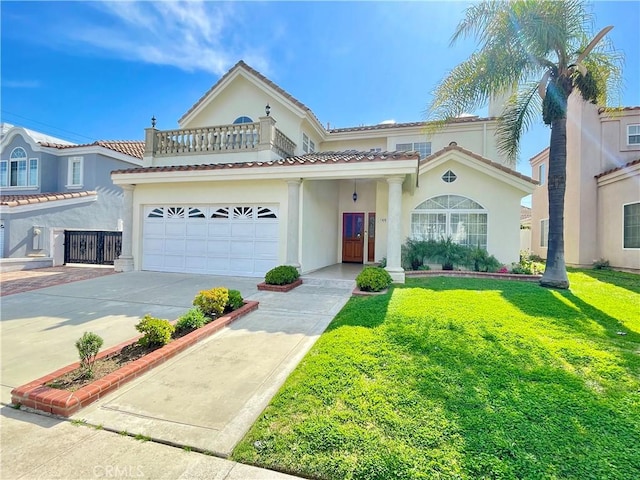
279	288
38	396
472	274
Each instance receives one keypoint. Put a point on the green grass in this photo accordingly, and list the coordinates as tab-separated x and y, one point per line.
465	379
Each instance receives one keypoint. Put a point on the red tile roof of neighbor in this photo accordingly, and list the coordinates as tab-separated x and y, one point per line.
525	213
626	165
499	166
383	126
16	200
133	148
328	158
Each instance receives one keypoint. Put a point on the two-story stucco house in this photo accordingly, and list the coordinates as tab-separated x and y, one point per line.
251	179
602	200
49	185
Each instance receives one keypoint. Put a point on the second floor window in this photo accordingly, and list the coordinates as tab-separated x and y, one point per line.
74	173
633	135
242	119
19	171
423	148
308	146
542	174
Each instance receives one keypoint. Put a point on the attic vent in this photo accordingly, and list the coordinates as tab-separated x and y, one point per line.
449	177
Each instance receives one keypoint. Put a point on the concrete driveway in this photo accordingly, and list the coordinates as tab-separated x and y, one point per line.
208	396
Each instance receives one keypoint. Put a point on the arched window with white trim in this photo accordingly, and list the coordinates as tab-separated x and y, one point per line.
455	216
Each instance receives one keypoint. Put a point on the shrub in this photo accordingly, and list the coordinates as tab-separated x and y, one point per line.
155	331
88	346
449	253
424	267
526	266
601	264
212	302
503	269
373	279
282	275
235	301
191	320
416	253
480	261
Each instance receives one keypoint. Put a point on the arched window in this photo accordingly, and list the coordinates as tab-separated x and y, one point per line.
460	218
242	120
22	172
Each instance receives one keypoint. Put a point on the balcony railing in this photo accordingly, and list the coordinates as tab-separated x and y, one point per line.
243	137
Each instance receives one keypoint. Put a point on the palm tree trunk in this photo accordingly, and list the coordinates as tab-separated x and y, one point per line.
555	273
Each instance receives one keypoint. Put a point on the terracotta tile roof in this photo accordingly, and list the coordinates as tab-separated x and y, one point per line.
499	166
327	158
626	165
602	110
384	126
525	213
133	148
17	200
262	78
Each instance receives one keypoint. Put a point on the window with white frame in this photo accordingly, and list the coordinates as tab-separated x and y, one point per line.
450	216
544	232
542	173
375	150
308	145
633	135
4	169
424	148
20	172
74	172
631	225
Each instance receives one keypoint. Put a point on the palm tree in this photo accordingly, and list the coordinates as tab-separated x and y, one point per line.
541	51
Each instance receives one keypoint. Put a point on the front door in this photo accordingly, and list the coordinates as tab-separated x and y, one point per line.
371	238
352	237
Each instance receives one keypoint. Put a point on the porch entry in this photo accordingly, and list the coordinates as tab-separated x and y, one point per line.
354	231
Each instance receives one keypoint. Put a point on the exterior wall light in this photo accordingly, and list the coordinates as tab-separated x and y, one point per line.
355	193
267	109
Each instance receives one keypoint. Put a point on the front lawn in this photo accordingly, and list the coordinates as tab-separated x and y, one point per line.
466	378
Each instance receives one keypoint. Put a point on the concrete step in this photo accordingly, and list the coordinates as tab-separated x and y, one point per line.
329	282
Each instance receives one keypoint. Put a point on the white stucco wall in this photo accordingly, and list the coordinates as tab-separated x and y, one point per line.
205	193
501	201
243	97
319	224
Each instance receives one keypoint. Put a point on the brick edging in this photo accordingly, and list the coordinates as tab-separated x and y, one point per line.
37	396
469	274
280	288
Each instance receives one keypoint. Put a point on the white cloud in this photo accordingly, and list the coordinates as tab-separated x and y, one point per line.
189	35
21	83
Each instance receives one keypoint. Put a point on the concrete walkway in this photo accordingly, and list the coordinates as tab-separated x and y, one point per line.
206	398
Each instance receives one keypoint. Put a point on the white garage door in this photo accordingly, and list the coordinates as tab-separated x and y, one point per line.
215	239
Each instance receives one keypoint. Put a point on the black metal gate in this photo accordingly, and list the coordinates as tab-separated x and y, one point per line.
97	248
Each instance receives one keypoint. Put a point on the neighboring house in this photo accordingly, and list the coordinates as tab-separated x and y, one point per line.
602	200
251	179
49	185
525	228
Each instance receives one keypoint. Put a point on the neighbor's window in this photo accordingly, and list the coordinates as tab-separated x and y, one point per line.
74	174
542	174
460	218
544	232
3	173
424	148
22	172
631	225
633	135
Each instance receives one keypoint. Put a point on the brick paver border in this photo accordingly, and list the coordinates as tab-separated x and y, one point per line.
280	288
35	395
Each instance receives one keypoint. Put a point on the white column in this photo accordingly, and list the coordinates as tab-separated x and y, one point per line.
124	263
293	223
394	229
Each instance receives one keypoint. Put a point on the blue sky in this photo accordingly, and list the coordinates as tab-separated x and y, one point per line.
100	70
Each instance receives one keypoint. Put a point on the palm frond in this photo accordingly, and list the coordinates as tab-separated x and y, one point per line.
522	110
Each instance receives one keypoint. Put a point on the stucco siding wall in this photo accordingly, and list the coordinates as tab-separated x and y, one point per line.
243	98
615	151
319	224
101	214
363	144
501	201
205	193
611	198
